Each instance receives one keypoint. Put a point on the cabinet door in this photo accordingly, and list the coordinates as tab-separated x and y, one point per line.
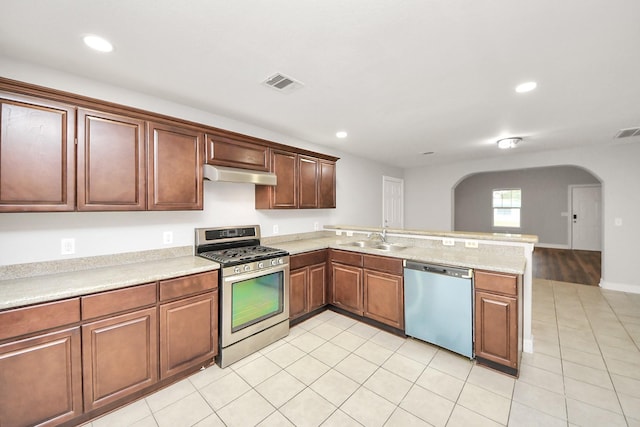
37	155
284	195
346	287
229	151
175	168
327	184
120	356
317	286
41	380
384	298
111	162
497	328
188	333
308	182
298	285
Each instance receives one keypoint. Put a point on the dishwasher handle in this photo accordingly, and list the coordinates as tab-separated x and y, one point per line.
463	273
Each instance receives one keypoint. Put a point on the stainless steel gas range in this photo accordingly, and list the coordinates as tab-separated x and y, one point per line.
254	289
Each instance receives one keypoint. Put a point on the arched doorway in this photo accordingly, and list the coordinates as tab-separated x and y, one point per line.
547	209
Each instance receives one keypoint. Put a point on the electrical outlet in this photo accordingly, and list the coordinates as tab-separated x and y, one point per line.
338	232
276	229
67	246
316	226
618	222
470	243
167	237
349	233
448	242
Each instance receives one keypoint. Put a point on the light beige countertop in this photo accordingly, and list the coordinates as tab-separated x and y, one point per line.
494	257
502	237
27	284
23	291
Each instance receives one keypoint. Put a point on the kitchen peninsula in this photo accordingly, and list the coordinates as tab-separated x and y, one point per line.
496	252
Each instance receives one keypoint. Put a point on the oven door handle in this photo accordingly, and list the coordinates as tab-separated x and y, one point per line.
256	273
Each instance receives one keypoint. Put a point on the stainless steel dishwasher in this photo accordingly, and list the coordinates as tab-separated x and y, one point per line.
438	305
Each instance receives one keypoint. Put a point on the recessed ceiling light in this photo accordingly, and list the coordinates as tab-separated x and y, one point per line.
526	87
98	43
341	134
506	143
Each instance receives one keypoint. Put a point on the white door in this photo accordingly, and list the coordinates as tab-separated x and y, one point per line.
586	218
392	202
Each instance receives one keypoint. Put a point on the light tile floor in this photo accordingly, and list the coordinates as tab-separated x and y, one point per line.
334	371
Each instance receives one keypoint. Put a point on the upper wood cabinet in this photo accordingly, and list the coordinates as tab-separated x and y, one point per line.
37	157
307	182
54	145
327	184
228	150
284	195
304	182
111	162
175	167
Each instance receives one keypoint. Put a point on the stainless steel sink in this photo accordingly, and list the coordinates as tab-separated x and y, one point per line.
382	246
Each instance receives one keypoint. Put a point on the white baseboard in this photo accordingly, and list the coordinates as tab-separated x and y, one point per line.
551	246
622	287
527	345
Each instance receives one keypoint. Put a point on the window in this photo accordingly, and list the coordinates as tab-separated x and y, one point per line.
506	207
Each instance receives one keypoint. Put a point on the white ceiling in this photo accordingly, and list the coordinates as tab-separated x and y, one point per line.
401	77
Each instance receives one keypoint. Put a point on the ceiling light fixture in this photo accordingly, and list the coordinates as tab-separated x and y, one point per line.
506	143
98	43
526	87
341	134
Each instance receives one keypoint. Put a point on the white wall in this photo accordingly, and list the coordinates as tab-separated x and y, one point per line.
429	198
32	237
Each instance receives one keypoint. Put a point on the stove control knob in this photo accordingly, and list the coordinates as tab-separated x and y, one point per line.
236	270
280	261
247	267
261	265
274	262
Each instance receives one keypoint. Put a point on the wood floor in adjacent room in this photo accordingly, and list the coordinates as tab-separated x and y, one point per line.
567	265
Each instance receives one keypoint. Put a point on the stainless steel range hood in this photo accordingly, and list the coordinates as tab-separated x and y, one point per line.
224	174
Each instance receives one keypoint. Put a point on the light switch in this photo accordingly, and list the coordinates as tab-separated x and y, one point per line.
618	222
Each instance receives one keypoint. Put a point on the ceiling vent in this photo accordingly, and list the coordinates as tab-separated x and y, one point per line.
625	133
282	83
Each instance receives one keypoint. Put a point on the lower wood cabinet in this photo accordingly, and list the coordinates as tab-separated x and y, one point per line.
346	287
497	321
188	333
307	283
41	379
120	356
383	298
368	285
71	360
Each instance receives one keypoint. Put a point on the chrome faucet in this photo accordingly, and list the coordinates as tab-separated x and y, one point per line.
382	234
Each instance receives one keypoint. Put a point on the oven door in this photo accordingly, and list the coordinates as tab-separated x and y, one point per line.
253	302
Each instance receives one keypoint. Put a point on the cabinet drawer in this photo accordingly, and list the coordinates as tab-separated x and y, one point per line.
188	285
496	282
118	301
381	263
22	321
346	257
307	258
